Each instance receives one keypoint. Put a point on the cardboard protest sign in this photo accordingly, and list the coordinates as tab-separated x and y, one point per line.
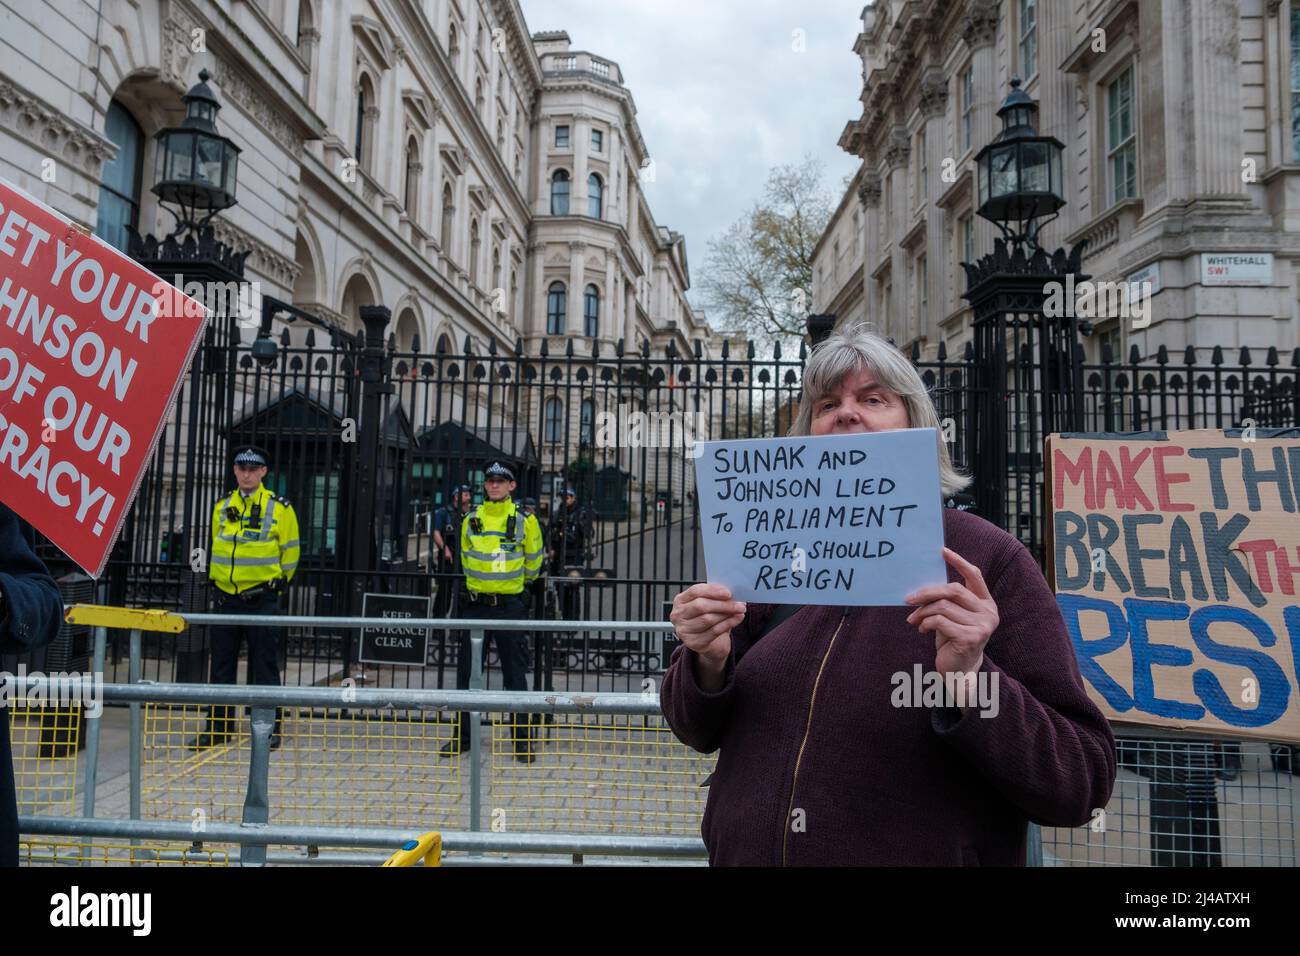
1175	559
838	519
92	350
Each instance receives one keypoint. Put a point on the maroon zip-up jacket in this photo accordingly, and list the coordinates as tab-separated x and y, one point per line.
879	784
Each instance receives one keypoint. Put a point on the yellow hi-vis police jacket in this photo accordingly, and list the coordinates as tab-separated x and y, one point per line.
493	562
250	551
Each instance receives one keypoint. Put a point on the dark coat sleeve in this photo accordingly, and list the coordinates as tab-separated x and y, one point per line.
1049	749
697	717
29	617
32	609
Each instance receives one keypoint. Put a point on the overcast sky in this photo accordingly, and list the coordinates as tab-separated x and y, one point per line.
721	95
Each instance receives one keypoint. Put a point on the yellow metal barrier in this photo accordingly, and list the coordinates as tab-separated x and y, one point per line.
43	853
333	768
596	773
125	618
428	848
589	773
44	740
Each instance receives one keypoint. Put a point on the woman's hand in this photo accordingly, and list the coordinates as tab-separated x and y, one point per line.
962	616
703	616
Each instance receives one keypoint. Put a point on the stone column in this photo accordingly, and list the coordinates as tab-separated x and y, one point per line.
577	283
535	290
978	27
869	195
1216	95
581	133
607	300
542	132
933	106
898	153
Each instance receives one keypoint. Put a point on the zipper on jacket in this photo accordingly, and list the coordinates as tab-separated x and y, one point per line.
812	701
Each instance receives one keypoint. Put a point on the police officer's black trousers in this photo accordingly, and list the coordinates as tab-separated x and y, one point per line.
512	650
263	653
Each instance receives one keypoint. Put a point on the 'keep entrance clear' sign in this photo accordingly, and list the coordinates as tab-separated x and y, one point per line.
837	519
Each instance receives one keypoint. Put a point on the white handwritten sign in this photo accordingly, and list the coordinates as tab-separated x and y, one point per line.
839	519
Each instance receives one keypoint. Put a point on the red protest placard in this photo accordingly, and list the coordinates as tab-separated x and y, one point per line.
93	348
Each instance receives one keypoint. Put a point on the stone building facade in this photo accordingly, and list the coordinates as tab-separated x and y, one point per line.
1181	165
838	259
429	155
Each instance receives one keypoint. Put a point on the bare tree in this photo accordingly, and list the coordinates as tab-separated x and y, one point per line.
758	274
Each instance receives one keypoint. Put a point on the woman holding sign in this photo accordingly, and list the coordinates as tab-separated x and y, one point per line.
830	751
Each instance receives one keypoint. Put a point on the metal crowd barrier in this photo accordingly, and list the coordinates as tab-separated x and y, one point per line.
153	714
1171	805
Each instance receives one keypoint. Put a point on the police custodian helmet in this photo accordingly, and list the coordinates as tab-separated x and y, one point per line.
251	455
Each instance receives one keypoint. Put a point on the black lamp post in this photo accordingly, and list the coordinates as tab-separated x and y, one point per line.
195	171
1027	375
196	166
1020	172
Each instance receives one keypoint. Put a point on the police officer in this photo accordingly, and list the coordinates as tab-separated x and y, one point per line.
446	543
570	537
501	554
536	590
254	555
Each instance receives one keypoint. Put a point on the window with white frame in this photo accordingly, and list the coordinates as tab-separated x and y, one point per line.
1029	37
967	87
587	422
1121	138
554	430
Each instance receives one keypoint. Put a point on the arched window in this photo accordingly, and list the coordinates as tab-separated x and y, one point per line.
554	430
448	211
453	41
555	309
591	312
119	189
365	123
306	31
411	193
501	136
496	268
595	193
559	193
478	96
474	245
587	423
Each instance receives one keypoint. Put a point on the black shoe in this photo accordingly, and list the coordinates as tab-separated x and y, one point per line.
454	748
1227	773
276	741
207	740
525	756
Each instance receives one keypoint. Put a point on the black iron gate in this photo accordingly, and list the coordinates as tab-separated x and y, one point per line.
367	441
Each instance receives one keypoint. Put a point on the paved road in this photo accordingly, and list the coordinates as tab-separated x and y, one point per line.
664	554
